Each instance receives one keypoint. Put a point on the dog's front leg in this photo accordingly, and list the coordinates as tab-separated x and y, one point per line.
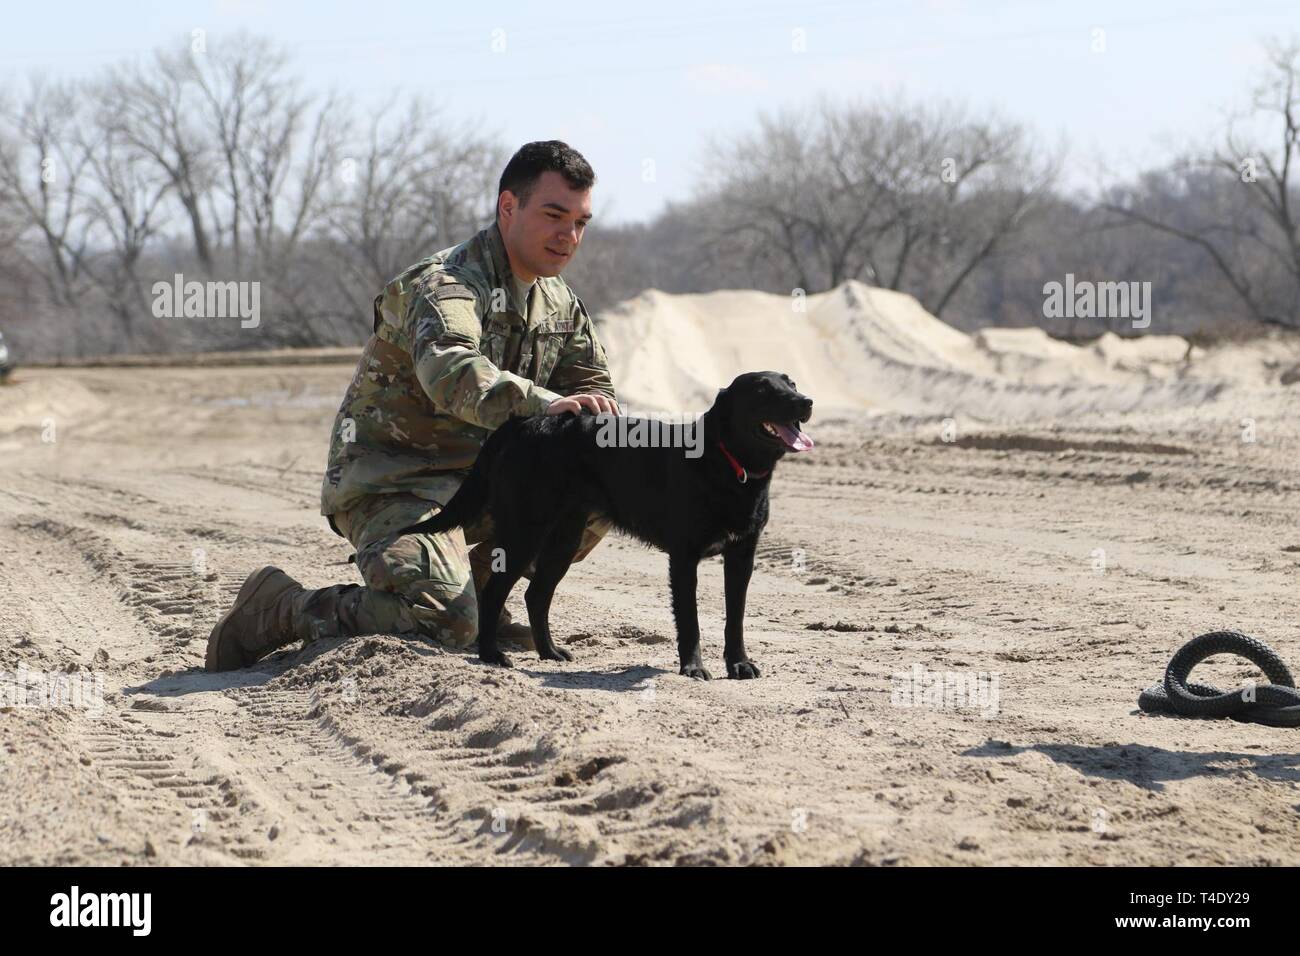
738	566
681	577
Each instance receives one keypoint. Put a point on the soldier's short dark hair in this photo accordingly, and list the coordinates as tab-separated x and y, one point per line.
527	165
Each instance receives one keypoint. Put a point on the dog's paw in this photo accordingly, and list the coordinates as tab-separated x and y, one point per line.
743	670
495	657
695	672
555	654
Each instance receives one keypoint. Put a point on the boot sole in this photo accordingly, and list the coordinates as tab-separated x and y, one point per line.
212	661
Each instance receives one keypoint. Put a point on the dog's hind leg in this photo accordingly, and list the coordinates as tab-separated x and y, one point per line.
519	549
552	564
682	578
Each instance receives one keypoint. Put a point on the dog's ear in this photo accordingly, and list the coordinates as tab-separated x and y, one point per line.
722	403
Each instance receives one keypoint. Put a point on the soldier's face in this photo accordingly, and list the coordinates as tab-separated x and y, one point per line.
543	235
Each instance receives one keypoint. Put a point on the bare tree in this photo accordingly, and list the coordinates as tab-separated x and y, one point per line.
898	196
125	207
157	117
276	145
236	87
1238	204
42	182
411	187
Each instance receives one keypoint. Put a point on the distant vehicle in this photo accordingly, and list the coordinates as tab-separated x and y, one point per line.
6	363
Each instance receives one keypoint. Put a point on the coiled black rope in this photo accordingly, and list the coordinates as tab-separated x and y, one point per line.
1276	704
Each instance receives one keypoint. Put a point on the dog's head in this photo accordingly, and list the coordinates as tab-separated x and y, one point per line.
759	415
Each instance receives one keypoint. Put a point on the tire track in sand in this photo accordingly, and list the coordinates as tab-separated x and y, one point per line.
202	766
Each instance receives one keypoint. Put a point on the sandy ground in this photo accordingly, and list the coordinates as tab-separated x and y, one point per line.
1063	558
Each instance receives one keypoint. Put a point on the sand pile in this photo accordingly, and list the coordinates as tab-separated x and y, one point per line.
866	349
1031	355
30	402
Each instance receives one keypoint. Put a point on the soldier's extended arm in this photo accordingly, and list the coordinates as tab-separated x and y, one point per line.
582	366
461	380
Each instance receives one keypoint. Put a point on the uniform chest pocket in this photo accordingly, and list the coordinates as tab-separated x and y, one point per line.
499	342
547	347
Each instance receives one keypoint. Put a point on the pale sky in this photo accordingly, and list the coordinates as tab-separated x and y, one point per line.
627	83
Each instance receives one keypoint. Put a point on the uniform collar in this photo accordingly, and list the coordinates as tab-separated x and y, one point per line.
541	305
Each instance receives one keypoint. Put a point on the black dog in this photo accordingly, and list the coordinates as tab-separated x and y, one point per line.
706	493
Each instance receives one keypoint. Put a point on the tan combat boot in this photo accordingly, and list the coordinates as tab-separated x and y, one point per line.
267	614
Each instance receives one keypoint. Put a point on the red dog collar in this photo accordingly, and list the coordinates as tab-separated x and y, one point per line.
741	474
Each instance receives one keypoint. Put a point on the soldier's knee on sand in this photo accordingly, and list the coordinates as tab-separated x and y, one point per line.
420	584
449	618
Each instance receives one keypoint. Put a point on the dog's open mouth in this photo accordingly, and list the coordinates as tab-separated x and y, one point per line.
791	435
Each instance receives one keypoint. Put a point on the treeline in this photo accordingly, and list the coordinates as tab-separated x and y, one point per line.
214	162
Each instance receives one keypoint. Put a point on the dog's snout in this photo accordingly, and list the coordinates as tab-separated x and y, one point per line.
805	407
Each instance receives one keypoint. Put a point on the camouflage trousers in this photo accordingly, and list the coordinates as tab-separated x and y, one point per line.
424	584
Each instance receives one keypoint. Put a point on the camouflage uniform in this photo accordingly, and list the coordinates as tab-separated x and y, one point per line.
455	352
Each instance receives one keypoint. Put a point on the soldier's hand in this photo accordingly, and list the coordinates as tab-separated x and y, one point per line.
597	404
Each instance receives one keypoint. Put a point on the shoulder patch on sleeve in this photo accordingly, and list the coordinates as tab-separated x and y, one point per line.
459	316
451	290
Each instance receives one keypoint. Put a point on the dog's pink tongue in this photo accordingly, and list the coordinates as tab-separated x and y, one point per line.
794	439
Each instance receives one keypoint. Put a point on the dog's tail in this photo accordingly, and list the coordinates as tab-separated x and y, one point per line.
466	504
471	497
